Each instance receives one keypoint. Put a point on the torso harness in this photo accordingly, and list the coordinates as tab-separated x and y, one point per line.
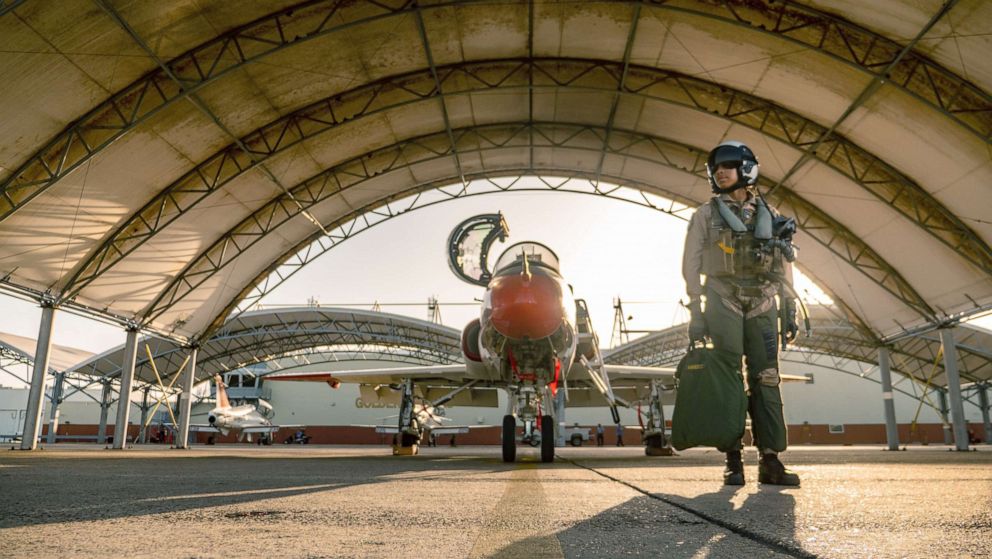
746	254
742	250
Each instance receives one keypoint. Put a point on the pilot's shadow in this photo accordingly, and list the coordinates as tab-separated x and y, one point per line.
644	526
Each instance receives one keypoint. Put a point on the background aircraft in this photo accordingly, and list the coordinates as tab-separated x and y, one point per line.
245	420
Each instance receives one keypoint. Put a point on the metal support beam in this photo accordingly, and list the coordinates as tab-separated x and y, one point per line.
944	415
36	395
105	397
127	377
891	431
954	388
143	431
185	401
58	387
983	399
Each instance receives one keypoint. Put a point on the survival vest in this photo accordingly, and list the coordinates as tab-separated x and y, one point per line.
738	246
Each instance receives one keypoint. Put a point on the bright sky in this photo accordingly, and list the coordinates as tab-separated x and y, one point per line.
607	249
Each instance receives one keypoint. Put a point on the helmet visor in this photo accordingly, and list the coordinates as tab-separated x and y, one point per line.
725	154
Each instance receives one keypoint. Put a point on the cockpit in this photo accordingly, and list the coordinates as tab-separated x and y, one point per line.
537	255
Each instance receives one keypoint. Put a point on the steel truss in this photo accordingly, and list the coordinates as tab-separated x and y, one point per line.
827	231
388	94
78	383
9	6
367	352
298	335
856	46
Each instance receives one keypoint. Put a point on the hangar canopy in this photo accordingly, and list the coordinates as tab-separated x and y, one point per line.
288	338
159	160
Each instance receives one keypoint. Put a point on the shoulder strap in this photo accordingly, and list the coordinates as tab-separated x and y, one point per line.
732	221
763	221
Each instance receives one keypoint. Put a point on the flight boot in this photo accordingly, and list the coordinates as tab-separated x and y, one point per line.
773	472
734	473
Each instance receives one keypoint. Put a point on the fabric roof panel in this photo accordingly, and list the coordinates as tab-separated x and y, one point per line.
47	88
484	34
925	147
580	23
959	41
315	69
487	107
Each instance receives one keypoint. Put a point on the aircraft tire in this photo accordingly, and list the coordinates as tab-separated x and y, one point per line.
509	438
406	439
547	439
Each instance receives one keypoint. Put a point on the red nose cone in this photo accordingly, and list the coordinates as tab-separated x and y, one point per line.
526	308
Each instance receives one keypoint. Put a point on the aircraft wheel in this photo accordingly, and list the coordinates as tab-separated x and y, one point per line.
547	439
509	438
408	440
654	447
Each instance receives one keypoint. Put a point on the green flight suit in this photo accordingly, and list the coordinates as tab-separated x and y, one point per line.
741	316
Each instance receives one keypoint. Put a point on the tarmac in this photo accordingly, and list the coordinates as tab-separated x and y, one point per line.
332	501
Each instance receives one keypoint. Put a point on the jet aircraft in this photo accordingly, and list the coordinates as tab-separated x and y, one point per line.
532	340
245	419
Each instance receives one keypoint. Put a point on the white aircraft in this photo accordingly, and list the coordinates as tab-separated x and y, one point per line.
245	420
532	340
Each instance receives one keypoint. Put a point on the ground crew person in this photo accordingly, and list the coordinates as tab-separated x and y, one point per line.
743	247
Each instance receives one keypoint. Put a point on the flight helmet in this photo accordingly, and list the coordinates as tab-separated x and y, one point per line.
739	154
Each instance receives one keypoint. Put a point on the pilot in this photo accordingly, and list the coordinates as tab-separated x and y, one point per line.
743	248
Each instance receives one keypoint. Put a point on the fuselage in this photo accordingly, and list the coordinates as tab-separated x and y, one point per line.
236	418
527	325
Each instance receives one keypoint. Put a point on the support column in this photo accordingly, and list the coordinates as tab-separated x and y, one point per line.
53	419
127	377
891	429
36	395
143	431
954	388
983	400
560	418
105	397
185	401
945	417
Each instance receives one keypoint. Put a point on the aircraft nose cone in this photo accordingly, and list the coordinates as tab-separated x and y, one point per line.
526	308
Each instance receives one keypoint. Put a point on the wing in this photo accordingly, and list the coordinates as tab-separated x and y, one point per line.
440	373
629	374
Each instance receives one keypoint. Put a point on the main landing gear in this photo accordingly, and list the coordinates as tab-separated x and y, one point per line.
410	432
655	441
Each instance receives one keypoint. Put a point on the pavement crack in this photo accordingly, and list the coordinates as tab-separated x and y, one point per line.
777	545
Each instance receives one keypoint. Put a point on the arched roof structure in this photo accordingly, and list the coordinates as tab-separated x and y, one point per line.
289	338
164	159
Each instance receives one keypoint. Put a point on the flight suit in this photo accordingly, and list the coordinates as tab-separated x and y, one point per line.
741	313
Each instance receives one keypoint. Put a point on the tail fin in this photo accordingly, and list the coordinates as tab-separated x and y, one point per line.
222	401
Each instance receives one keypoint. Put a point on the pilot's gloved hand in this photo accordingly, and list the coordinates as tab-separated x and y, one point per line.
697	324
791	325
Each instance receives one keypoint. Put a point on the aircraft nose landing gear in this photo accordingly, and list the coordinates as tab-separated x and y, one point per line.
524	401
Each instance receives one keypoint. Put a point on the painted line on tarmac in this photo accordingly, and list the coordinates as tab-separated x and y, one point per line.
777	545
517	521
